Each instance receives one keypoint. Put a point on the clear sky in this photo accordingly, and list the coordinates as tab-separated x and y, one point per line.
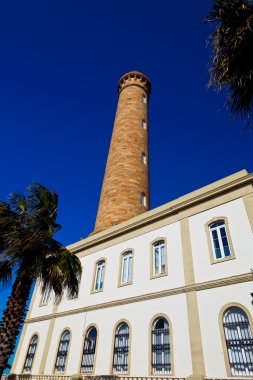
60	62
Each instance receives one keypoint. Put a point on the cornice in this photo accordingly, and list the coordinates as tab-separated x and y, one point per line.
246	277
215	190
134	78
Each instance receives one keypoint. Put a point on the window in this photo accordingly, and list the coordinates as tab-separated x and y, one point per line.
220	244
161	355
30	354
121	349
159	258
144	98
62	352
127	267
239	341
100	272
45	297
143	200
144	124
89	350
144	158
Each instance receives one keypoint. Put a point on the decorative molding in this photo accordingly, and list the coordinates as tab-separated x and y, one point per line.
150	296
134	78
230	188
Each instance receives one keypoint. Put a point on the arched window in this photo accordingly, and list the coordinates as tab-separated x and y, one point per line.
219	237
30	354
89	350
239	341
159	258
127	267
121	349
100	272
62	353
161	355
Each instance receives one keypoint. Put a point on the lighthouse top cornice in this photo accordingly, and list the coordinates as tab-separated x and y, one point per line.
134	78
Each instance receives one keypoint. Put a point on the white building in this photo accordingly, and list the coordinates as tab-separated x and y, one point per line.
165	293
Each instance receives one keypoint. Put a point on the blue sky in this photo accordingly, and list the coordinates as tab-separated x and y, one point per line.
59	67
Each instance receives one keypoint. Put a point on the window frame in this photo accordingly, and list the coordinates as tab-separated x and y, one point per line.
57	351
153	320
42	298
116	326
30	341
87	330
120	283
93	290
152	266
213	259
223	337
144	124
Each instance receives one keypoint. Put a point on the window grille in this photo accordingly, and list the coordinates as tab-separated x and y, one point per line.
62	352
100	275
89	350
239	341
121	349
127	267
159	259
161	355
30	354
220	240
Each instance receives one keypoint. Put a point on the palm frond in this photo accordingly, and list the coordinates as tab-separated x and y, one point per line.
5	272
232	58
60	272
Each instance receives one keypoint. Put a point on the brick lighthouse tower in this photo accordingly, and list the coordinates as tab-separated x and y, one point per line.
125	190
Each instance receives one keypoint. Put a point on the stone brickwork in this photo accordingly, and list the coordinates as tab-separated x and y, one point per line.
126	180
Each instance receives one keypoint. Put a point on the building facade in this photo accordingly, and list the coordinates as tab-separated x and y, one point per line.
164	293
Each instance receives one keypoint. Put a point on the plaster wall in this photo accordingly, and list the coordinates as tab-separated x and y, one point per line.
241	236
139	316
210	303
40	329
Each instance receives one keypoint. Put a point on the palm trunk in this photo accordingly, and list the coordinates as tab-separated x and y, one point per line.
13	317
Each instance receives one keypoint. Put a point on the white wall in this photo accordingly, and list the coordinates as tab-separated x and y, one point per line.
40	329
141	270
210	304
139	316
242	241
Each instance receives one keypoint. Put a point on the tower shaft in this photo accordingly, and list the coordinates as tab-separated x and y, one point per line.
125	190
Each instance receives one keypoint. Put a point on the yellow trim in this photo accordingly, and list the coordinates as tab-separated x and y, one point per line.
149	296
47	342
22	370
248	203
120	284
197	352
223	338
217	193
89	327
152	275
156	317
93	290
54	372
129	346
210	243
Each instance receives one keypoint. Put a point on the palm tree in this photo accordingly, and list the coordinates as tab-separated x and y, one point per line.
28	252
232	58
